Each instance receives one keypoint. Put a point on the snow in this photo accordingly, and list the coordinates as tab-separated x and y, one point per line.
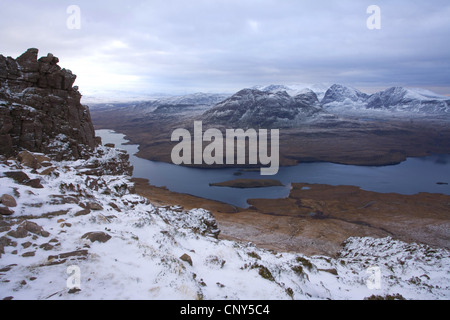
142	258
295	89
420	94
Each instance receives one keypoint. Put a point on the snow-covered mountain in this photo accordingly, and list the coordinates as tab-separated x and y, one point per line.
344	100
256	108
199	98
190	103
409	100
344	95
290	106
295	89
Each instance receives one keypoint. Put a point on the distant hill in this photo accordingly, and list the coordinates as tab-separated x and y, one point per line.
256	108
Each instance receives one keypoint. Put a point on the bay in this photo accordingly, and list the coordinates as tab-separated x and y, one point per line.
424	174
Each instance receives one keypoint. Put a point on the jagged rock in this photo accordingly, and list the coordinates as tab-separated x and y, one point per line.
8	201
28	60
97	236
40	110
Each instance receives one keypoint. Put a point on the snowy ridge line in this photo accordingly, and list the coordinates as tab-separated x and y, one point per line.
126	248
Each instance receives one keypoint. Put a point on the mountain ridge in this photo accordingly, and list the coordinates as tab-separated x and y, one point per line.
253	107
271	106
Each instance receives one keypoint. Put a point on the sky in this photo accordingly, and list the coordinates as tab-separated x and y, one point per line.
176	46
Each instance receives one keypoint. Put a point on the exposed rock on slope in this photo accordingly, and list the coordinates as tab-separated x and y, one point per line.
396	100
55	215
340	93
255	108
402	99
40	110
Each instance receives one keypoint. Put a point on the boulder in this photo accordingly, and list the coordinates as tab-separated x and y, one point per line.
5	211
28	159
94	206
18	176
8	201
34	183
27	226
186	258
98	236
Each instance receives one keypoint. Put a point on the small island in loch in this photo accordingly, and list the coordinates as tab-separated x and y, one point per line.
248	183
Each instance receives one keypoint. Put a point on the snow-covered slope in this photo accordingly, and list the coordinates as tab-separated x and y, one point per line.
123	247
295	89
396	100
345	95
190	103
416	101
256	108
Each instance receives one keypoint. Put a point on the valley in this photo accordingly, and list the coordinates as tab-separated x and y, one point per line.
344	127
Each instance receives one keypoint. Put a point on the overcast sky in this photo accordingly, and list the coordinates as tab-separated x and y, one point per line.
186	46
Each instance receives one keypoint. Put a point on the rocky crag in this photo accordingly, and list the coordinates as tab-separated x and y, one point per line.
40	109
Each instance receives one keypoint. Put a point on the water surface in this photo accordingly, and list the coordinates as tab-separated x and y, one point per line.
412	176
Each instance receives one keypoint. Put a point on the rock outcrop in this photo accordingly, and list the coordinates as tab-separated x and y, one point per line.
40	109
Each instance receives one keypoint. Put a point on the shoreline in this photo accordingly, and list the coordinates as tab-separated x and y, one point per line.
284	161
316	220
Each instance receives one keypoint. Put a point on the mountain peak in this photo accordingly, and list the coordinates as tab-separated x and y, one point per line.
341	93
255	108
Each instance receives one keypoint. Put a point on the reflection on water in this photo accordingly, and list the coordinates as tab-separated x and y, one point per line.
410	177
438	159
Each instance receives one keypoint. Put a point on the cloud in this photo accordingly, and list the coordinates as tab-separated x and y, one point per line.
218	45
